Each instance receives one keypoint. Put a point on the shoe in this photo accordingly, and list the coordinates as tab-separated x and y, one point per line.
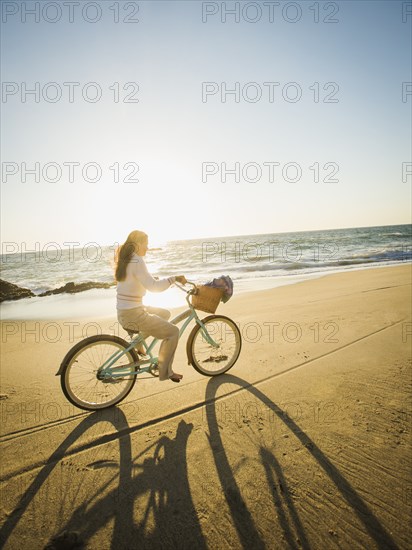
175	377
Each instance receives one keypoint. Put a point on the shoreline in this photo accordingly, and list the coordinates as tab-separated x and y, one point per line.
103	301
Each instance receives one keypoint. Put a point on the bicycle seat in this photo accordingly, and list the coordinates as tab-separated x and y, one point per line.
131	331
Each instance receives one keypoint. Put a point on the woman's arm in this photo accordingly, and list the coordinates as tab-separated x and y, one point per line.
153	285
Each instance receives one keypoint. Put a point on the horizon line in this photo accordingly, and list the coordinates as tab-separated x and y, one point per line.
200	238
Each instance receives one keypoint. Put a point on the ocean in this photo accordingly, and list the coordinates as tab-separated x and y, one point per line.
252	261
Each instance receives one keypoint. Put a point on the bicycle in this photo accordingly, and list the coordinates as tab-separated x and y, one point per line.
92	378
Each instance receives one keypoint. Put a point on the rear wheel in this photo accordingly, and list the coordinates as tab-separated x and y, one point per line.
79	378
210	360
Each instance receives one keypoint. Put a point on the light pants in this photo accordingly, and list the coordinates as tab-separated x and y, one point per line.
152	321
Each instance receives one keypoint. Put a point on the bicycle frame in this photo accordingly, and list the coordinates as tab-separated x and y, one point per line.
105	371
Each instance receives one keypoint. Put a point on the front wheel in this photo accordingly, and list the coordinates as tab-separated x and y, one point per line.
206	358
79	375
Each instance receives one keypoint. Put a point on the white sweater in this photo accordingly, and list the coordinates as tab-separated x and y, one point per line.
131	291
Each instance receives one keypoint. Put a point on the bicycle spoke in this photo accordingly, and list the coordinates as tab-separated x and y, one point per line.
212	360
80	378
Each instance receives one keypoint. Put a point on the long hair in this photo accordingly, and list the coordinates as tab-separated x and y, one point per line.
125	252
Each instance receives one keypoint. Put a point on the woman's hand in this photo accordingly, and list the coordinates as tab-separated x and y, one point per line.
181	279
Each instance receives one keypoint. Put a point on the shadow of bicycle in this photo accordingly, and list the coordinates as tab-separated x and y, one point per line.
145	501
141	501
282	508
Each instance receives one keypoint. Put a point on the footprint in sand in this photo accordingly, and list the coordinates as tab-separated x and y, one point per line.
102	464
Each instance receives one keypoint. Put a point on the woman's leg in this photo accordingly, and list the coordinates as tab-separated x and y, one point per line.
169	334
161	312
129	319
150	324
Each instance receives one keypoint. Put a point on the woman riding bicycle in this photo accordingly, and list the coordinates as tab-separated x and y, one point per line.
133	279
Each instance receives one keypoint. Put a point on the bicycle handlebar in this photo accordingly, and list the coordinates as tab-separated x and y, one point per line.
184	289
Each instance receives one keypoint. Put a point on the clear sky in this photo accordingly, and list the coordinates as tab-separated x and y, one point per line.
346	60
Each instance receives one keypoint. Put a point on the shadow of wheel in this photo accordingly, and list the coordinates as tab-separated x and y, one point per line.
119	422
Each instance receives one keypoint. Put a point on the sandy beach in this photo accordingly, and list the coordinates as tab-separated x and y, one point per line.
305	443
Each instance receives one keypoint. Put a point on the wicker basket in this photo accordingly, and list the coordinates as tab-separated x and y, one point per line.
207	298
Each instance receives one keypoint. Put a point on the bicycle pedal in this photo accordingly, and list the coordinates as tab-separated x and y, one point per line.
154	370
